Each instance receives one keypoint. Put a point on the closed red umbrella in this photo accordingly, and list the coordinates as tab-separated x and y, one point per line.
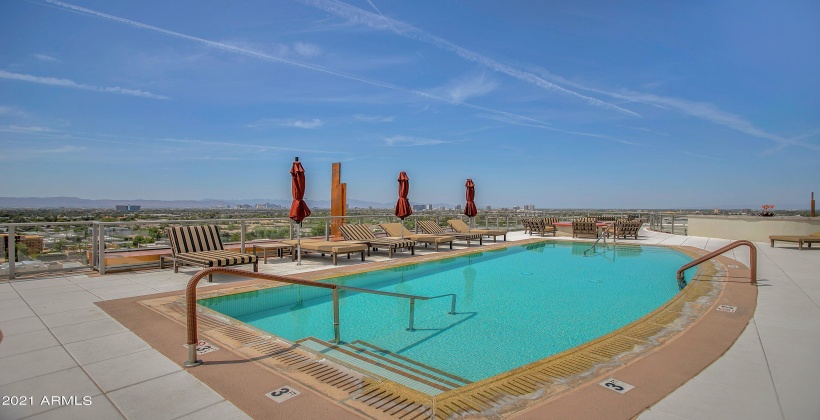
298	209
403	205
470	210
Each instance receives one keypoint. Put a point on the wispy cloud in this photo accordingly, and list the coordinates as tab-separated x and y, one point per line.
373	118
468	87
314	123
267	122
411	141
66	83
381	22
701	110
13	111
44	57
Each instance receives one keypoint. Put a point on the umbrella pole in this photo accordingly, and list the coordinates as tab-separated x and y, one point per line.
299	244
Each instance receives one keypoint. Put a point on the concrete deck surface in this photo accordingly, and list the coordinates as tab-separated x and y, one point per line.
58	343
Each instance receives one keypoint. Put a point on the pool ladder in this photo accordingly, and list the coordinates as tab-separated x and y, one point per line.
601	235
190	302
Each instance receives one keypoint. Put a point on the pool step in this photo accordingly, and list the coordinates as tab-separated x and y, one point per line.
409	363
387	365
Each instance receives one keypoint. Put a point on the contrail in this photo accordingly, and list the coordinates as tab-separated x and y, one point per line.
237	50
355	14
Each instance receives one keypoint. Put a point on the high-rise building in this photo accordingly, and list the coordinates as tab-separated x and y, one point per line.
127	207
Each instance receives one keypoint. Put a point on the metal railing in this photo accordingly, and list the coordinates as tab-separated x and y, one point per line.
91	241
190	302
412	298
669	223
717	252
601	235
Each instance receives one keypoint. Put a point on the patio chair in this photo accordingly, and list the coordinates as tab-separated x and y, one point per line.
362	233
625	228
433	228
201	245
799	239
584	228
397	230
459	226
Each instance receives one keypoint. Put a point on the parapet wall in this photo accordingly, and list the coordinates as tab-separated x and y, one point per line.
751	228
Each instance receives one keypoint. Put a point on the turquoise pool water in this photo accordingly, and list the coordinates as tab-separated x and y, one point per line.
514	306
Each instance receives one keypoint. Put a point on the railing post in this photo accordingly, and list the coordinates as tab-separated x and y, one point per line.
673	225
101	250
412	311
327	228
12	252
242	236
94	237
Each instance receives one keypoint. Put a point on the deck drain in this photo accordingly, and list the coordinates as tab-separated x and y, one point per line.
282	394
727	308
616	385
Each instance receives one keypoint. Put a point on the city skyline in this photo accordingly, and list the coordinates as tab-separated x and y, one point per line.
595	105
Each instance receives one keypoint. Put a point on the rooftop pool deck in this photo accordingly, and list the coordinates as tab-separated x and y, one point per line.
57	341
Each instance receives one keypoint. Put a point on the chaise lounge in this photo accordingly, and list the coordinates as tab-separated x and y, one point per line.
201	245
334	248
362	233
397	230
459	226
433	228
799	239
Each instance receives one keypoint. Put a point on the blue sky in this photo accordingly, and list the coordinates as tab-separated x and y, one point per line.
600	104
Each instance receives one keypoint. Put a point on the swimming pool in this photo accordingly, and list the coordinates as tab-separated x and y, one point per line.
514	306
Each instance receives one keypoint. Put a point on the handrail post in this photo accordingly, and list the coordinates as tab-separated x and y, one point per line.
412	311
336	333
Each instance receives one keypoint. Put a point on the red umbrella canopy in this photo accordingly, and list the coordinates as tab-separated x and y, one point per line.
470	210
403	205
298	209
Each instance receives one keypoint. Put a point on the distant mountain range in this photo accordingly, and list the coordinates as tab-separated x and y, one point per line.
84	203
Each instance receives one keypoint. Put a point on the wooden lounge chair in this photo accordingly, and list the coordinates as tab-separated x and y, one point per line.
433	228
201	245
459	226
624	228
584	228
362	233
334	248
799	239
397	230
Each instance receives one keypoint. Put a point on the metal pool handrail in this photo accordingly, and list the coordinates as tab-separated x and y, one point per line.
411	297
715	253
190	301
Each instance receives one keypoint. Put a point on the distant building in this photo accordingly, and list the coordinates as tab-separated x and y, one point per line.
488	208
458	207
418	207
127	207
34	243
516	208
428	207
